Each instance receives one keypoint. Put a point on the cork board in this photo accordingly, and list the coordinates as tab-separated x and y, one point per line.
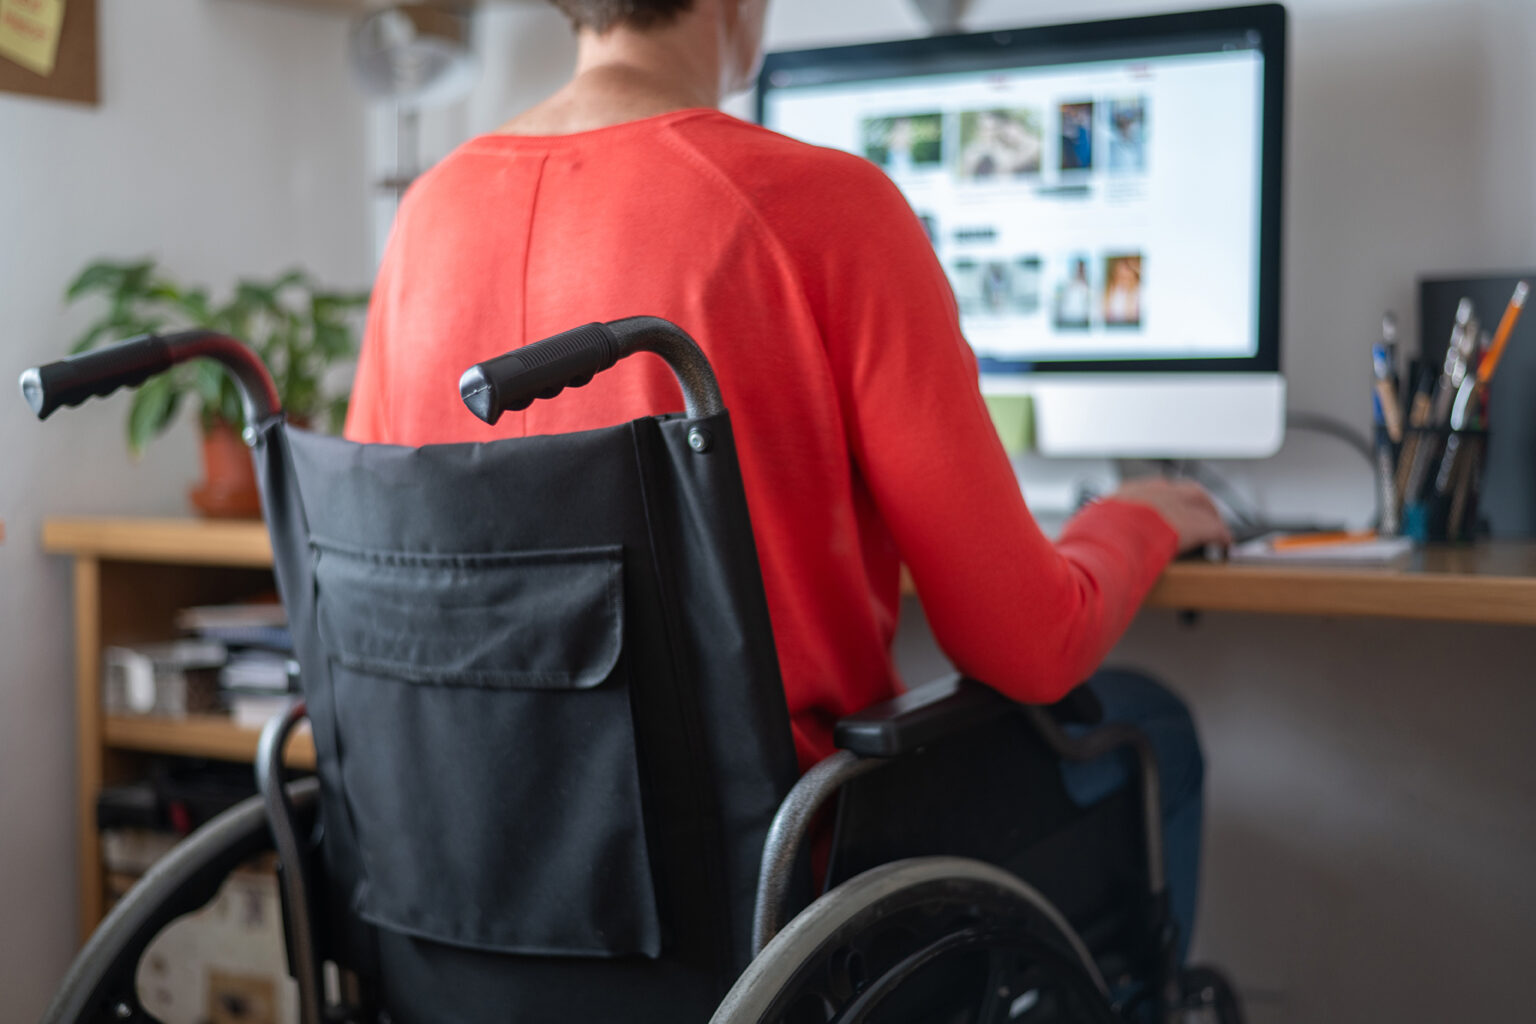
74	75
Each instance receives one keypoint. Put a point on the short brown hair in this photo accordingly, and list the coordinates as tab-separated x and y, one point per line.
602	15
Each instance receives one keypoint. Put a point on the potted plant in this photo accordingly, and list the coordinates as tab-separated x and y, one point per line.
299	330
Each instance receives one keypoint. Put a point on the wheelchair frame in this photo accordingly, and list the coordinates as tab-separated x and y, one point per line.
100	981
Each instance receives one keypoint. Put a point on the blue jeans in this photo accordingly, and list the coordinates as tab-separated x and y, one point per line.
1137	700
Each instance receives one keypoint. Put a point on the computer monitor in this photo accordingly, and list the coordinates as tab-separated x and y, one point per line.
1105	199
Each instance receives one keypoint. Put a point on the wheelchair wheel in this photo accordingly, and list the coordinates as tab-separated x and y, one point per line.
938	940
1209	996
100	984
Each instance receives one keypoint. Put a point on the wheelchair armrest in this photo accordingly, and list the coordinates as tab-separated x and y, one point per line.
941	708
919	717
1080	706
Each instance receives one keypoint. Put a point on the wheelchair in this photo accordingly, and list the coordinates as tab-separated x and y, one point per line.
555	779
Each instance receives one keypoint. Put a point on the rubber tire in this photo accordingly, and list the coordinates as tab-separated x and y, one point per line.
1195	982
865	899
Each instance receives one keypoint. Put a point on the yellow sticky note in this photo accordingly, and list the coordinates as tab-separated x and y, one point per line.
29	32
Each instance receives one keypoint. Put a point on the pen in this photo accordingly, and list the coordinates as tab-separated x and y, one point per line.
1418	419
1465	485
1389	424
1457	354
1451	462
1384	366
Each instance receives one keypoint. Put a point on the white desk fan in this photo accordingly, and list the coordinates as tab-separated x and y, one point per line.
415	56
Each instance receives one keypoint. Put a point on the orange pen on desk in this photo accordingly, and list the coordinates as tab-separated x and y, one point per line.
1317	540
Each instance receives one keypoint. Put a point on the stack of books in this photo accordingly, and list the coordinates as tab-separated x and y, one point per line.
259	678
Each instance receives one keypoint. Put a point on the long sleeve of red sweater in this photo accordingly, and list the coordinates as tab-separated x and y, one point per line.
1008	606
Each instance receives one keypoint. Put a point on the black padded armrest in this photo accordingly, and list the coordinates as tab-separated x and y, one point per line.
918	717
1079	707
938	709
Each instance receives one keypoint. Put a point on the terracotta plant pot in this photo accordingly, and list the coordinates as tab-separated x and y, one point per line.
228	489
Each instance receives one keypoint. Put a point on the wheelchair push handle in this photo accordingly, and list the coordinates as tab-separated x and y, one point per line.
93	374
516	380
132	362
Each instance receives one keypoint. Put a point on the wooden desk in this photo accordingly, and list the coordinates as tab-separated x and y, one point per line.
1493	582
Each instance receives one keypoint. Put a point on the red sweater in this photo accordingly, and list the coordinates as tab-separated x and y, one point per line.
863	440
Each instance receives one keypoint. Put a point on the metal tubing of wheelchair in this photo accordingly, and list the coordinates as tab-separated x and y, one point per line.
1096	744
295	876
788	831
258	395
701	391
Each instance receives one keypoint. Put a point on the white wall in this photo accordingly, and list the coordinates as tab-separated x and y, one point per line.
228	142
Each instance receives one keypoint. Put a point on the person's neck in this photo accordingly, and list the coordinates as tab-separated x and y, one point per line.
626	75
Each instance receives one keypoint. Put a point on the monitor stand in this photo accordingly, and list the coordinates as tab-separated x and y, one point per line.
1150	415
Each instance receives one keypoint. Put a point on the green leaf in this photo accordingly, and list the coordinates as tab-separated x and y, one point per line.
113	331
333	341
135	281
336	414
92	335
297	328
208	381
231	410
103	275
154	404
193	304
255	296
291	277
161	290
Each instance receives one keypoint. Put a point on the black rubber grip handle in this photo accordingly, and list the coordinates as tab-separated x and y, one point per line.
516	380
94	374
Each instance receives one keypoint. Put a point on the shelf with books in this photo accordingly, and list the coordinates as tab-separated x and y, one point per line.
131	578
214	736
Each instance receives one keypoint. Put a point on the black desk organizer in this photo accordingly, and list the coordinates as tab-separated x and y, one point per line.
1506	508
1447	504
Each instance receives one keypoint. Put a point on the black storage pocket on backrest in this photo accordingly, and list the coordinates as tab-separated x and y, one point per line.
487	748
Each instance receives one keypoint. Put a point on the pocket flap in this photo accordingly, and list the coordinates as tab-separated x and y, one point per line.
545	620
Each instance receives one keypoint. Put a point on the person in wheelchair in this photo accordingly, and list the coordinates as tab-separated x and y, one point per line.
562	683
812	288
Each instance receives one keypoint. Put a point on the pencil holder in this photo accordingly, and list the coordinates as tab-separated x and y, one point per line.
1440	478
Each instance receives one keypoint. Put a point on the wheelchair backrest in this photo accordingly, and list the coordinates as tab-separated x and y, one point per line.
548	718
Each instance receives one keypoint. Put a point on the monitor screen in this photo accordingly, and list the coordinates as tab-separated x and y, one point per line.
1095	193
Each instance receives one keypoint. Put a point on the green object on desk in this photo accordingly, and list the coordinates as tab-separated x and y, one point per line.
1013	416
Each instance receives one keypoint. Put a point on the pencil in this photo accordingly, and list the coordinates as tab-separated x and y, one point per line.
1490	360
1318	540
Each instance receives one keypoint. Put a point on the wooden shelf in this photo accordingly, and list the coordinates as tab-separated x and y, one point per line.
131	577
220	542
197	736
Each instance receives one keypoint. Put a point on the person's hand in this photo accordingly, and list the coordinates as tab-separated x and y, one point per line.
1184	505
